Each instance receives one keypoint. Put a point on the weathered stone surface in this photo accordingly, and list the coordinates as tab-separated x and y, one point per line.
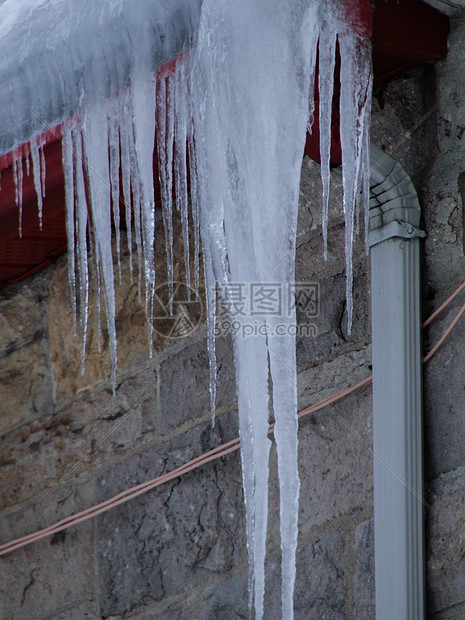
445	397
330	326
456	612
177	611
402	121
450	97
319	589
443	204
309	224
86	433
328	378
26	389
176	536
22	312
26	384
87	610
227	600
131	321
442	212
327	332
66	349
445	543
42	579
335	463
185	379
364	578
320	581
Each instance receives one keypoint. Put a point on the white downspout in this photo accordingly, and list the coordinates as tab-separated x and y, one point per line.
397	419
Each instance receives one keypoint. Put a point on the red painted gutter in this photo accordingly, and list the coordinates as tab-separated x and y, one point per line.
404	33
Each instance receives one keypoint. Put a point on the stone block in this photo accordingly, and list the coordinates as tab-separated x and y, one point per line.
330	327
364	577
227	599
442	207
26	381
319	589
86	433
444	397
323	381
22	312
328	332
26	388
309	224
87	610
445	543
320	581
184	383
55	573
456	612
451	99
402	121
335	463
178	535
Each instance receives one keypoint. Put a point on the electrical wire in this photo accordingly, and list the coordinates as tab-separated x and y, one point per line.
215	453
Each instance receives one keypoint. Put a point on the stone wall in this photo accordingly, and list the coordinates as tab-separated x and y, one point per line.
179	551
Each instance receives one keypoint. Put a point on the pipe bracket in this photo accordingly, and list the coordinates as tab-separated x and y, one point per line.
397	228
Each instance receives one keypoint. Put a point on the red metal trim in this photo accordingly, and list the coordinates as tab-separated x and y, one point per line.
405	32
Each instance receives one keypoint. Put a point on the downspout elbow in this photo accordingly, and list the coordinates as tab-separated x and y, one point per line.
394	207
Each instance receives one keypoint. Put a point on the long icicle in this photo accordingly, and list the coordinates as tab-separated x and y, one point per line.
242	107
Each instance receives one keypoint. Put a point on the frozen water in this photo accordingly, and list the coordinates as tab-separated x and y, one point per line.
229	116
54	59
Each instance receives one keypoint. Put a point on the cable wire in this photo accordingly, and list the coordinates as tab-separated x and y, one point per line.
215	453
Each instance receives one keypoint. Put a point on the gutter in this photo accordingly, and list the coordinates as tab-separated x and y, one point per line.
394	234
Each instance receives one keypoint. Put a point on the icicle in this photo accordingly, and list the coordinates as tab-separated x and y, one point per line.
210	296
135	187
95	133
164	140
244	86
113	141
252	389
181	98
195	210
43	172
327	57
126	178
37	174
98	293
240	108
144	98
354	110
68	169
169	163
28	169
81	222
18	180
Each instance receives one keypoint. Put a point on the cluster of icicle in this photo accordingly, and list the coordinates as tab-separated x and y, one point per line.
231	117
